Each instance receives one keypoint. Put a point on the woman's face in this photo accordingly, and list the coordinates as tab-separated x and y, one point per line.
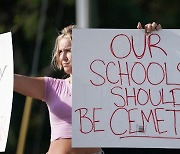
64	54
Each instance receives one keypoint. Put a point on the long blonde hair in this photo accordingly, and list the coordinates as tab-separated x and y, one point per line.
66	32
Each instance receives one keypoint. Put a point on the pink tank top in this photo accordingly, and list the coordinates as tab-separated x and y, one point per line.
58	96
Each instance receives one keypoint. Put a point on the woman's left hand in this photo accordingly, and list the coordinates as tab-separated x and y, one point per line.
150	27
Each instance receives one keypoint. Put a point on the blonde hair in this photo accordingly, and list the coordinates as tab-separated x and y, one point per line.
66	32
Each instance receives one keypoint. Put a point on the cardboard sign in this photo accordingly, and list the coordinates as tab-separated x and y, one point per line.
126	88
6	86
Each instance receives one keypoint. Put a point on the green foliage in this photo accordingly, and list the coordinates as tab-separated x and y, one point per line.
126	14
69	2
28	23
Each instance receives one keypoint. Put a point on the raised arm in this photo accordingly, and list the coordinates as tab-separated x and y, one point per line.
29	86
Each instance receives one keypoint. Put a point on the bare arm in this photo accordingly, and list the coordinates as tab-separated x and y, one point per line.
29	86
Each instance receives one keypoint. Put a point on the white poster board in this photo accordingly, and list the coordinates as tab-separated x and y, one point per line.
6	86
126	88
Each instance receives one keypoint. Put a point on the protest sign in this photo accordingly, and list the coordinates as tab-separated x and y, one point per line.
6	86
126	88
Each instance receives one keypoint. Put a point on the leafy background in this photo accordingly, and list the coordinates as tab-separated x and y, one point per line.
21	17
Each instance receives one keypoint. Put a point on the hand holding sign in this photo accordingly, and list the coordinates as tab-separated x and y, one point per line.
6	86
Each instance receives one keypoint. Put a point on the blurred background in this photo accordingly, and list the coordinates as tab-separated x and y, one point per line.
35	24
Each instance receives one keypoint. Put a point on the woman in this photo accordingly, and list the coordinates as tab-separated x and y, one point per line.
57	93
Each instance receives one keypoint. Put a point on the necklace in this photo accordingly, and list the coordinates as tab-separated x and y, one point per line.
70	87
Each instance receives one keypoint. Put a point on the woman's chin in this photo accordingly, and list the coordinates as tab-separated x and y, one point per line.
68	70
